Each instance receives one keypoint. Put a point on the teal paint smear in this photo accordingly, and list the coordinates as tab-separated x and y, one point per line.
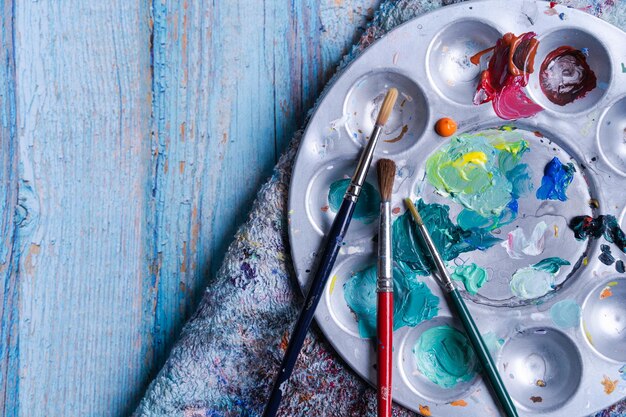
444	355
565	314
413	300
482	172
536	280
472	276
368	206
556	178
450	239
493	343
551	265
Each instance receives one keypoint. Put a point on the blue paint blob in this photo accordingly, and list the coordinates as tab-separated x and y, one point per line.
368	206
450	239
413	300
565	314
556	178
606	257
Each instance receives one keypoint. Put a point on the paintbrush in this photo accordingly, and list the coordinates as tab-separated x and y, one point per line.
480	348
386	170
333	243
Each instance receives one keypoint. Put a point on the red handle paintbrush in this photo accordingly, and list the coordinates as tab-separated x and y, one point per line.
386	170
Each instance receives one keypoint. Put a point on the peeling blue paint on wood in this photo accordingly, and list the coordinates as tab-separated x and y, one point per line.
134	135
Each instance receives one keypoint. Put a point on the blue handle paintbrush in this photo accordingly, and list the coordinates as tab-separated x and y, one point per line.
334	239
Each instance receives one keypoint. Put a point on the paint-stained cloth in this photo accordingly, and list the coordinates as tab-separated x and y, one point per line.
229	351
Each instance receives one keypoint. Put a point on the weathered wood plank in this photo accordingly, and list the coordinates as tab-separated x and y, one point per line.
83	117
131	185
8	201
233	81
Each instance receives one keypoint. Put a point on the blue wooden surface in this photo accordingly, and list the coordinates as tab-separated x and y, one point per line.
134	136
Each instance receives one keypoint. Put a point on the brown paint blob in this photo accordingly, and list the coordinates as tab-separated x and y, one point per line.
565	76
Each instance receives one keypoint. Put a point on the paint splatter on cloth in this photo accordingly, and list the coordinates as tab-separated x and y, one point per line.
229	351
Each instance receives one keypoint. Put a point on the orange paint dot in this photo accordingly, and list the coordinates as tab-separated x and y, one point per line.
459	403
425	411
445	127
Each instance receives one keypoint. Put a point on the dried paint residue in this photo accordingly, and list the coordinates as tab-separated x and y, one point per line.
565	313
471	275
517	245
603	225
413	300
450	239
503	81
556	178
609	385
565	75
444	356
606	257
606	293
425	410
536	280
536	399
368	206
459	403
483	172
622	372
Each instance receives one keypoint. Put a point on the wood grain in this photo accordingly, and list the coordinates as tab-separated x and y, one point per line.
134	138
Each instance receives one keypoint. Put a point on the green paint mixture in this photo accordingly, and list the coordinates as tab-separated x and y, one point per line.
536	280
413	301
444	355
482	172
367	207
565	313
450	239
472	276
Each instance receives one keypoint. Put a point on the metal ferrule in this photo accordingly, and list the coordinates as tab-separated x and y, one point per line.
353	191
385	270
444	277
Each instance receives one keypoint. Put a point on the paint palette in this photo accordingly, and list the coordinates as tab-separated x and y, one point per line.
527	213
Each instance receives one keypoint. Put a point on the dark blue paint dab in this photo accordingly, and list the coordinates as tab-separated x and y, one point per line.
606	257
619	266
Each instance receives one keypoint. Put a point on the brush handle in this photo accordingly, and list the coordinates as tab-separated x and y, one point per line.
481	350
333	243
384	352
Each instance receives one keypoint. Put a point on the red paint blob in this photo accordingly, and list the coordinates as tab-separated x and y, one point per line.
503	81
565	76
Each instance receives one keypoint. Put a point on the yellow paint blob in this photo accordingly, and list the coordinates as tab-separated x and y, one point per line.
467	161
333	281
476	158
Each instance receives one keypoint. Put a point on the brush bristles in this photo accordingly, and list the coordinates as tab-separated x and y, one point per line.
386	170
385	109
414	212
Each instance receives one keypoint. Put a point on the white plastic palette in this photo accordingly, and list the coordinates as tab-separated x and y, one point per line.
426	59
